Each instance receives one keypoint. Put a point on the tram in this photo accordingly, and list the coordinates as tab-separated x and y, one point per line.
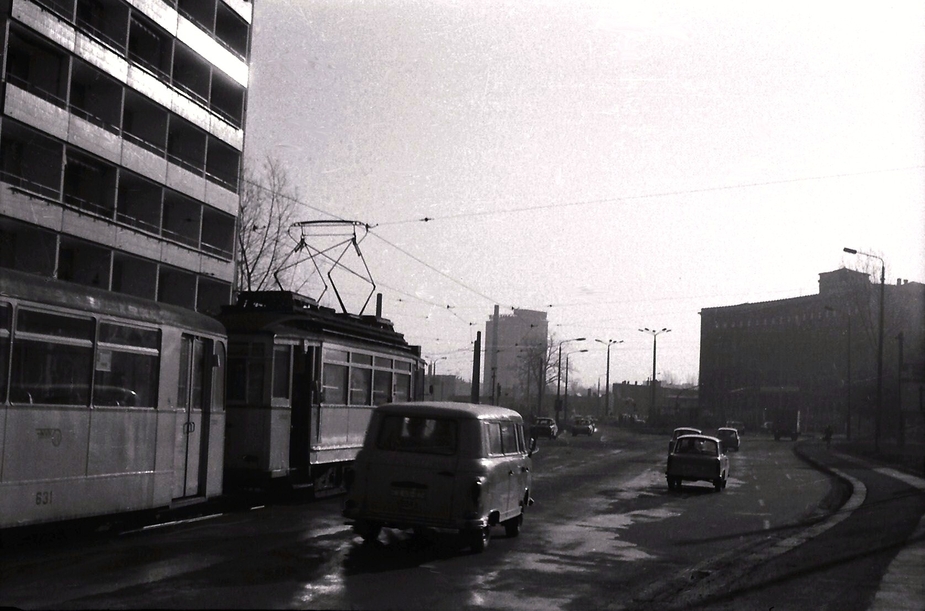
108	403
303	380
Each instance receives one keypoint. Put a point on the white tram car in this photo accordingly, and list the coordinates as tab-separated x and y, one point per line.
302	383
108	403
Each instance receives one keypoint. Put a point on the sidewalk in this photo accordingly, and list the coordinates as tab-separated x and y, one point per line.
909	458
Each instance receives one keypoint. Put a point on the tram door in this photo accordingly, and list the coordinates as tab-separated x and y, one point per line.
304	375
192	396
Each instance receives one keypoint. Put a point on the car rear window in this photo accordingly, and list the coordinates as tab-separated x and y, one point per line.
418	434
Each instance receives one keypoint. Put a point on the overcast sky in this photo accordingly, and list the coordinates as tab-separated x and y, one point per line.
617	165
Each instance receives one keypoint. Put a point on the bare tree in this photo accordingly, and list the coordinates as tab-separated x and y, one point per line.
538	368
268	207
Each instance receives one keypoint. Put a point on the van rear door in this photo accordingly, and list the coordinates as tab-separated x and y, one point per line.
414	474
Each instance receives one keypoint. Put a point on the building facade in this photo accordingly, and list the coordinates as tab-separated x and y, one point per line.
819	354
121	139
511	340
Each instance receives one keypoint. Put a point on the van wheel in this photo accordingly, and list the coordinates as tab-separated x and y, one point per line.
512	526
369	531
479	538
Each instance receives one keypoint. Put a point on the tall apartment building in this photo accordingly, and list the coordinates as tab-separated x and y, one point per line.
121	137
509	338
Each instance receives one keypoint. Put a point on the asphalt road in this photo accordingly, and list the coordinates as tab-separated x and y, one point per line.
605	532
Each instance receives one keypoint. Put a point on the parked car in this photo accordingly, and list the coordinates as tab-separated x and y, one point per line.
738	425
443	466
583	426
544	427
729	438
697	458
681	430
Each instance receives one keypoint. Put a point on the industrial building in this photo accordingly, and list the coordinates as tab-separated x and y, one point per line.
819	354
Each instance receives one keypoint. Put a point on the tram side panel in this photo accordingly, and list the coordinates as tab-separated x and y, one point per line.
89	416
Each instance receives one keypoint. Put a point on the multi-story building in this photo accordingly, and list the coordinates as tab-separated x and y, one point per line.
511	340
818	353
120	143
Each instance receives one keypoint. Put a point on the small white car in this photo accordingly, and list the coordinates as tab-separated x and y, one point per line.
444	466
697	458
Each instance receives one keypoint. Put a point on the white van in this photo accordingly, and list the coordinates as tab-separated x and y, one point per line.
441	465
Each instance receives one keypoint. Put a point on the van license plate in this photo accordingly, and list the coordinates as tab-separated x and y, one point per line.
408	499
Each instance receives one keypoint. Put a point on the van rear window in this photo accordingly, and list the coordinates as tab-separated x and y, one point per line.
417	434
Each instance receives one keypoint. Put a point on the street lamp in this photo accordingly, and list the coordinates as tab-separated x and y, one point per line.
433	372
559	373
654	334
565	408
847	313
877	416
608	343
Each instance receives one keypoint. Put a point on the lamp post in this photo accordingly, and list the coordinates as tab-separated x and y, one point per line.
433	373
565	407
559	373
608	343
654	334
848	394
878	415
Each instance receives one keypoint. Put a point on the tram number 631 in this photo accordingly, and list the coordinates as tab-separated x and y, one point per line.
43	498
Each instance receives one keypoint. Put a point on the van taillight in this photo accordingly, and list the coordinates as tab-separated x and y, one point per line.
476	492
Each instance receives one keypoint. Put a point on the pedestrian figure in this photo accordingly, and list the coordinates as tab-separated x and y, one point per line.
828	436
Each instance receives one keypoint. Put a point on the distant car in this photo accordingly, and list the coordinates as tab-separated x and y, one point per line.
729	437
682	430
697	458
583	426
544	427
738	425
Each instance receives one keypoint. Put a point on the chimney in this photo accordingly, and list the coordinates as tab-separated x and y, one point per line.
378	305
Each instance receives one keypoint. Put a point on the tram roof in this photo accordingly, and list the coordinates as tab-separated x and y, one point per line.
282	311
94	300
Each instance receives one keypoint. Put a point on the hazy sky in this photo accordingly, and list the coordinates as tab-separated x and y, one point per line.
617	165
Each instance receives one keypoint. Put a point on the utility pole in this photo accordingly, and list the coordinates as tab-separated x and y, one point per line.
476	365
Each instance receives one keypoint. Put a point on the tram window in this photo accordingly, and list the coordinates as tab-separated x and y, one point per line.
245	373
361	382
5	321
382	387
55	325
52	359
382	362
282	365
48	372
192	367
402	387
218	379
334	355
362	359
335	384
127	363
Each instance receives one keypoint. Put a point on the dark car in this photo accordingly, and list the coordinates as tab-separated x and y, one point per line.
544	427
729	438
583	426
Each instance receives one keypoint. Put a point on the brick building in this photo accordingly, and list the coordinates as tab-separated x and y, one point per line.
818	353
